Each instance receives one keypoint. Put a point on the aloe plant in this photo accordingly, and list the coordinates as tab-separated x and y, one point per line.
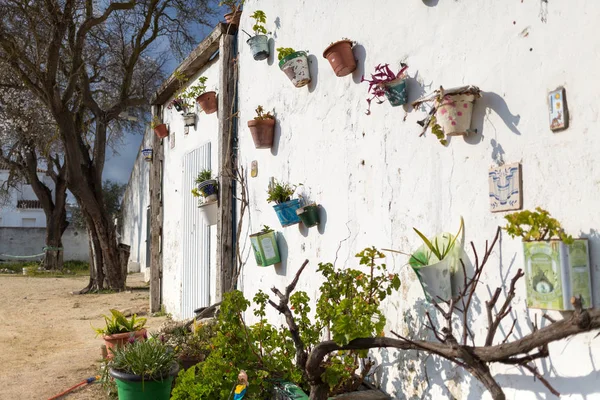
117	322
438	248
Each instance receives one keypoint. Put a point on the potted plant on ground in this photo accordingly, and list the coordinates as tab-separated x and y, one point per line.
557	266
281	194
147	153
119	329
451	112
191	345
262	128
264	245
435	262
160	129
295	65
259	43
144	370
207	192
340	56
385	83
232	17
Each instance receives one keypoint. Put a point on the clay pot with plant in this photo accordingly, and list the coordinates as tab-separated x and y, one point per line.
259	43
340	56
159	128
451	112
262	128
206	100
384	83
285	207
295	65
235	13
119	330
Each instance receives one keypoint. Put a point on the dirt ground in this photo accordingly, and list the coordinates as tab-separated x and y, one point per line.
47	343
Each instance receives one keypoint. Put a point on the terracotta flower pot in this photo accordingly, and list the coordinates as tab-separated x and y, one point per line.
262	131
208	102
233	18
340	57
121	339
161	131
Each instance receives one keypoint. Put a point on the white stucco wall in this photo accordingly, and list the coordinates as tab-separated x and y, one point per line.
205	130
136	201
11	216
376	178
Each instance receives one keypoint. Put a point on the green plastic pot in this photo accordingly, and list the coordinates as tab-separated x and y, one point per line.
265	248
133	387
309	215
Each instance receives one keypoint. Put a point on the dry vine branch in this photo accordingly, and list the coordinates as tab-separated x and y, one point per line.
475	359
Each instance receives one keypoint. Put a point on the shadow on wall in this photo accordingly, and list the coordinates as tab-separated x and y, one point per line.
495	102
313	67
594	247
360	54
271	58
281	267
414	90
431	3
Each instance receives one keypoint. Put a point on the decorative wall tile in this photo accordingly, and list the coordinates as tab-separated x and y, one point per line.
505	187
559	114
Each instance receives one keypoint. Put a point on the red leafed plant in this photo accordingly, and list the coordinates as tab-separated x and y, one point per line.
383	74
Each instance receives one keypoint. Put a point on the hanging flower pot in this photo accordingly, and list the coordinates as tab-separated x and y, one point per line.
384	82
208	102
286	212
259	45
265	248
189	119
262	129
341	58
147	153
233	18
178	104
395	91
208	189
309	215
295	66
161	131
209	209
454	113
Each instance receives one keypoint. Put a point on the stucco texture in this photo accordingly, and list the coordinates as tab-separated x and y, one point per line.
376	178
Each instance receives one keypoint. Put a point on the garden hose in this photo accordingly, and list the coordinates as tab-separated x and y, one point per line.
85	382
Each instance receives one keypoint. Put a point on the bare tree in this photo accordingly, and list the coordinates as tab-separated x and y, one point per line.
88	62
450	343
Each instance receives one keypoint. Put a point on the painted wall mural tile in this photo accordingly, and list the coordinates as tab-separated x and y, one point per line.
505	187
559	117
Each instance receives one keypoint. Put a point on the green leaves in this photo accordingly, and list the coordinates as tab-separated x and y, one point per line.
118	323
438	248
280	192
260	19
150	359
283	52
204	175
437	130
541	226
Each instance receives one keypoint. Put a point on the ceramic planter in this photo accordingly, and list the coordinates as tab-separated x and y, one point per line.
262	131
136	387
189	119
121	339
265	248
161	131
208	209
295	66
208	189
309	215
233	18
340	57
147	153
208	102
286	212
454	114
555	272
259	45
396	92
178	106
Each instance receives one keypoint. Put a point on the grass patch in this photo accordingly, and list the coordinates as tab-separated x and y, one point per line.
70	268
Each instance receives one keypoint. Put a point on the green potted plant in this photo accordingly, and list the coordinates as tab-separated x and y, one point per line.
295	65
259	43
557	266
262	128
191	345
451	112
206	100
144	370
384	82
264	245
340	56
160	129
435	262
285	207
232	17
119	329
207	192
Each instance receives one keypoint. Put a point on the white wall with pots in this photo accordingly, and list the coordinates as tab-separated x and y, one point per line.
376	178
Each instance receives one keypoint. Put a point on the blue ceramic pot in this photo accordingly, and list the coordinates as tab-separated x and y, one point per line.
286	212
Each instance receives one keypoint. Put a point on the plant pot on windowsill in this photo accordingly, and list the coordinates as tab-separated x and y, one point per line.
286	212
262	131
341	58
208	102
161	131
264	245
121	339
147	153
136	387
295	66
233	18
189	119
259	45
208	209
309	215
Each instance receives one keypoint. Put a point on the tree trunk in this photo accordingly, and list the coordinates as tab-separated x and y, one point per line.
319	392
